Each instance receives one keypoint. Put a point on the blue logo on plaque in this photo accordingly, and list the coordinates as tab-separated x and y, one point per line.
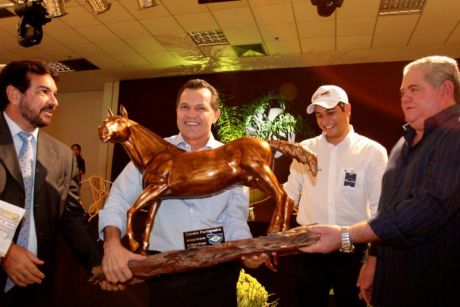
214	238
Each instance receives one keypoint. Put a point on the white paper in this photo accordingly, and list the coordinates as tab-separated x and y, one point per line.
10	216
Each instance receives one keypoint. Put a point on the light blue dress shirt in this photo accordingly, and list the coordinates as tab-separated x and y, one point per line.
15	129
228	209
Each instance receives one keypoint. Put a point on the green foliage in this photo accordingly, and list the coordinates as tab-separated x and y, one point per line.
250	293
229	126
253	120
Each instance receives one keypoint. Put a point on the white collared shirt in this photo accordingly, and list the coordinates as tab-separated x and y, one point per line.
348	185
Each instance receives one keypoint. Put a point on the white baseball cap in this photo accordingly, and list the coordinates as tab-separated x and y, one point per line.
327	96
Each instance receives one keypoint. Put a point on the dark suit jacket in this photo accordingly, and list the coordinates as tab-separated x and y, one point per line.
56	198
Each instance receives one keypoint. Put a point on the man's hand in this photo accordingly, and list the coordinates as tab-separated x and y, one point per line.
329	240
109	286
255	261
366	279
115	261
21	266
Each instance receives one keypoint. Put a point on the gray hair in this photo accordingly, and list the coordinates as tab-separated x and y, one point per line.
437	70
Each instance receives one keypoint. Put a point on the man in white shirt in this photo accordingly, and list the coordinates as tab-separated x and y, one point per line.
346	190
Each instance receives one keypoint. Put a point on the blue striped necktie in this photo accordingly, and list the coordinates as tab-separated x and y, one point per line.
26	155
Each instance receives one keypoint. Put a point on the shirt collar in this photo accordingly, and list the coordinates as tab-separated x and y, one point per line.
350	136
15	129
432	123
181	143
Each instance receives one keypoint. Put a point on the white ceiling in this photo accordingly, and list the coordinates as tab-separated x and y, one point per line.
128	43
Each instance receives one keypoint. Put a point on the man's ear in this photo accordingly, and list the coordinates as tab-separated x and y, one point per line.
447	88
216	115
347	107
13	94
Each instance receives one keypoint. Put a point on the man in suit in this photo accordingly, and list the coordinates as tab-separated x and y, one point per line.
28	101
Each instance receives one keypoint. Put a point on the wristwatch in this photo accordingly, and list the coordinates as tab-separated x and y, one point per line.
347	246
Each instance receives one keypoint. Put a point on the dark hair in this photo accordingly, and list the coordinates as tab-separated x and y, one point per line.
76	145
198	84
16	74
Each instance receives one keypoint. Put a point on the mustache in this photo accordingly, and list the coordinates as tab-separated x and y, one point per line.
48	108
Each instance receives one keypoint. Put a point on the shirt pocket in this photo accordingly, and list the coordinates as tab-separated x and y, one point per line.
351	181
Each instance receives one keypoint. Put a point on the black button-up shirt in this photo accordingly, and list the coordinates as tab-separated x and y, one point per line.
418	221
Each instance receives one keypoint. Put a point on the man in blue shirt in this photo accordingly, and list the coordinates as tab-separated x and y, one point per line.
416	231
196	110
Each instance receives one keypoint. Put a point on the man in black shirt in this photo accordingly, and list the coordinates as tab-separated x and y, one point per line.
76	148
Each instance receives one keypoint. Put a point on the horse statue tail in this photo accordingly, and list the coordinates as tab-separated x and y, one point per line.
296	151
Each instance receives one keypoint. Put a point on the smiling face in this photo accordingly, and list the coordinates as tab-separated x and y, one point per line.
35	107
195	116
334	122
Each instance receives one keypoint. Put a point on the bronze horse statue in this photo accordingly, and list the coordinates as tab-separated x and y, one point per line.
171	172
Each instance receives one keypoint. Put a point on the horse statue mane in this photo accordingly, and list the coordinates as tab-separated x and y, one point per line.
171	172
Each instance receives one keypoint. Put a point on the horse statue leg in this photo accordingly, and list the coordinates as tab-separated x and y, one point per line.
149	225
287	213
150	193
270	185
279	222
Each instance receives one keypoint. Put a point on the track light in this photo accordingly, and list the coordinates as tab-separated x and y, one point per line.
326	7
32	16
55	8
99	6
143	4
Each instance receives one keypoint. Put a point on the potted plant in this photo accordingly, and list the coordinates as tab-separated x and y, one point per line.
265	118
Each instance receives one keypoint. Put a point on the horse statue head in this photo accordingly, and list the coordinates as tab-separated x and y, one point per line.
115	128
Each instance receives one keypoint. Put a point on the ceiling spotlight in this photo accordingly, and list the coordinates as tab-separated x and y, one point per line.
55	8
98	6
143	4
326	7
32	16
